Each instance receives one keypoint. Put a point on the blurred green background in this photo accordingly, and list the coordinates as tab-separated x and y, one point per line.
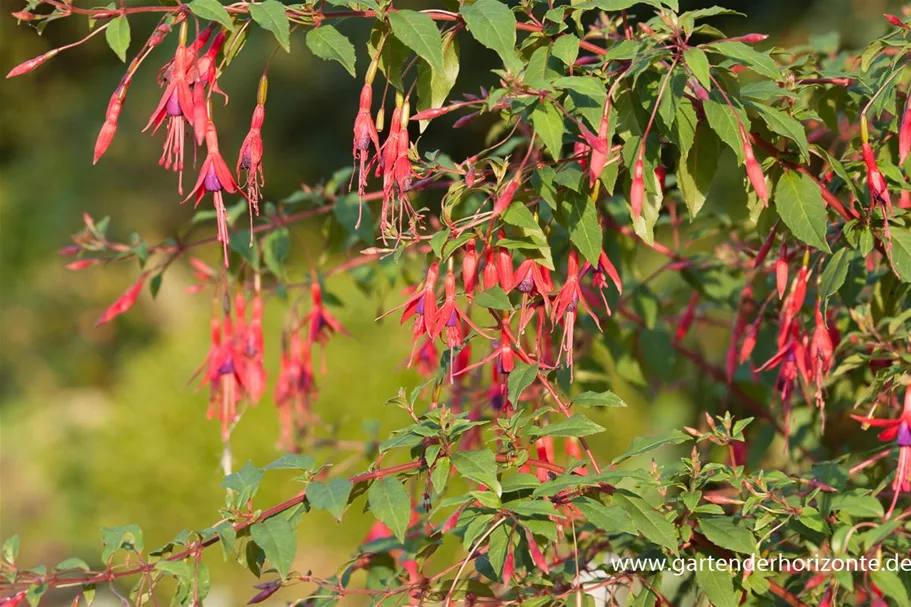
100	426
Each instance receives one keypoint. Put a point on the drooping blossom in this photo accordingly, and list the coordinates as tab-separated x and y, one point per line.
176	106
202	74
250	158
295	389
450	317
322	324
566	305
898	430
224	373
601	274
124	302
215	177
423	307
365	133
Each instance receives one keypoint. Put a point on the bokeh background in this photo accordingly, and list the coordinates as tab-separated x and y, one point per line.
100	426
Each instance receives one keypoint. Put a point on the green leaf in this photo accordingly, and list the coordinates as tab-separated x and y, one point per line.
521	377
699	64
759	62
548	123
390	503
244	483
864	506
727	533
276	246
418	31
494	298
434	85
479	466
649	523
723	120
72	563
696	171
440	474
644	444
717	585
228	537
582	223
211	10
331	496
833	277
901	252
277	538
598	399
891	585
493	24
118	36
612	519
270	15
786	126
124	537
577	425
292	461
11	549
800	205
328	43
566	49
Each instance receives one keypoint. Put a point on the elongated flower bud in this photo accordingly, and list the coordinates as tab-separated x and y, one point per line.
748	38
123	303
765	248
897	22
536	555
754	171
781	272
637	191
904	133
27	66
434	112
470	269
109	128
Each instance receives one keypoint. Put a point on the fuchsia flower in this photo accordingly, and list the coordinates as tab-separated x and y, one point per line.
604	271
566	305
124	302
111	116
879	190
449	318
176	106
423	307
295	388
251	344
470	269
898	430
225	370
203	74
250	158
215	177
364	134
322	323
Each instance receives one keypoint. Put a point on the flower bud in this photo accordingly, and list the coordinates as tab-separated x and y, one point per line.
123	303
637	191
27	66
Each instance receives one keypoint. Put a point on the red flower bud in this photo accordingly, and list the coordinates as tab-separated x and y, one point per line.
123	303
537	556
686	320
754	171
434	112
637	191
895	21
470	268
110	121
904	133
879	190
781	272
27	66
81	264
749	38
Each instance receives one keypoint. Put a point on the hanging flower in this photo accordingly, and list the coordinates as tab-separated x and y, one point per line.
565	307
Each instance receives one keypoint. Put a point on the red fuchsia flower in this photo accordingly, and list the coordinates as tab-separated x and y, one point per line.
604	271
365	133
225	370
450	317
215	177
295	388
426	358
505	363
879	190
176	106
390	152
754	171
124	302
423	307
251	345
202	74
544	447
250	158
322	323
898	430
821	355
637	190
566	305
532	279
